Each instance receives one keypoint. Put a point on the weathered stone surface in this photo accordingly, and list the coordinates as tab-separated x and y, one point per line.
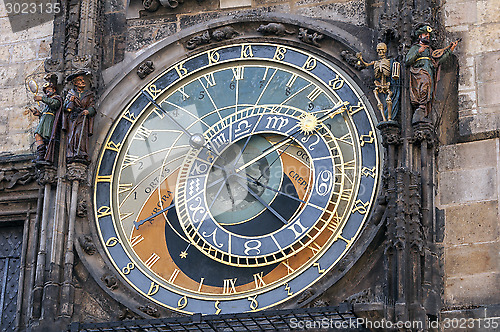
472	223
459	13
457	187
487	67
351	12
487	94
473	289
471	259
467	156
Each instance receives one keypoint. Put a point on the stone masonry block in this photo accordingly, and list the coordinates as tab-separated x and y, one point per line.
4	54
352	12
457	187
487	67
478	288
459	13
472	223
487	11
484	38
487	94
486	121
25	51
467	155
471	259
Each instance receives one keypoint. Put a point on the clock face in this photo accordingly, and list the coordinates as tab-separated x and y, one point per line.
236	179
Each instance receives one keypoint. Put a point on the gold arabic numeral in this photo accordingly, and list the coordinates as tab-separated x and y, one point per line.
314	94
217	309
142	133
288	289
153	90
201	284
365	171
136	240
280	53
174	276
237	73
112	241
363	139
360	207
229	286
184	95
213	57
125	215
310	64
246	51
153	289
336	83
104	178
124	187
355	109
113	146
103	211
315	248
182	303
209	80
129	116
128	268
181	70
152	260
289	269
320	270
254	304
257	278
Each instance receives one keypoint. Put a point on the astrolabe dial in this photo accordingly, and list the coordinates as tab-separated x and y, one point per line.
236	179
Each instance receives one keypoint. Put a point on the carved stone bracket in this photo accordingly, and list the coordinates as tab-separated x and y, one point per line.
206	37
8	179
81	209
391	132
76	171
46	174
145	68
423	131
154	5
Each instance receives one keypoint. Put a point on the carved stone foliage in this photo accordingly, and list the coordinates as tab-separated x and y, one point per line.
276	29
87	245
351	60
110	281
206	37
11	178
46	175
423	131
310	37
76	171
391	133
150	310
81	209
145	68
154	5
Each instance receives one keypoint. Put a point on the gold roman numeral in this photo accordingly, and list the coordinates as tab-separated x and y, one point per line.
229	286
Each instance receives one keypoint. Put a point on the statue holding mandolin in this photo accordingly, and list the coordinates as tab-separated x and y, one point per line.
423	63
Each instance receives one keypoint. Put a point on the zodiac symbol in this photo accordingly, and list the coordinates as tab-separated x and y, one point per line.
197	209
194	186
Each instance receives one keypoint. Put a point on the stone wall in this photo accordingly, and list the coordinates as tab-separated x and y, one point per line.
478	23
21	54
469	173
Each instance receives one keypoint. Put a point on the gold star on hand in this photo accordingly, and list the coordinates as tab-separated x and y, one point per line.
183	254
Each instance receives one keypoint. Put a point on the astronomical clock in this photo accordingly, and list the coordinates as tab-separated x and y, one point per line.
235	178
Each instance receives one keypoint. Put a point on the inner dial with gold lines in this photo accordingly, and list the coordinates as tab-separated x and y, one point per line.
232	182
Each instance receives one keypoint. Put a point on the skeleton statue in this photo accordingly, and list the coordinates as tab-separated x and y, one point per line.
387	71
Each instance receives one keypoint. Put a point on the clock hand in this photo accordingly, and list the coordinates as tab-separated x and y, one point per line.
139	223
273	211
264	153
248	177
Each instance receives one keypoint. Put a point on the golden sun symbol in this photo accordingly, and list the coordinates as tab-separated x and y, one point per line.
308	123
